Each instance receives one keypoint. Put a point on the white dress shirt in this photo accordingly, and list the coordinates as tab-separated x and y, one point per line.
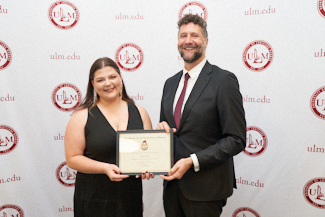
194	74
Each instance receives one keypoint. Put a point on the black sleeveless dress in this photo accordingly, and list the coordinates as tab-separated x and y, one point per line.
95	194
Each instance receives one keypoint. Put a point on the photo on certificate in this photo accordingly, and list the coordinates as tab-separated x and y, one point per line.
138	151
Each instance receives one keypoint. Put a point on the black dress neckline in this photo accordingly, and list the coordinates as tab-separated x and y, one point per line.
127	127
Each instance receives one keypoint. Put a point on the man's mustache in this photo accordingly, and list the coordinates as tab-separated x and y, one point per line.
189	46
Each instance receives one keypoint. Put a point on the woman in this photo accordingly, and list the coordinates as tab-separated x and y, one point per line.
90	146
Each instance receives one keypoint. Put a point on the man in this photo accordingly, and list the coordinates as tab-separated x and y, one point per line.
205	111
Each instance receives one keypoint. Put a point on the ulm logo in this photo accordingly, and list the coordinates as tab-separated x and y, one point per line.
321	7
11	210
256	141
317	102
63	14
65	175
314	191
66	97
129	56
5	55
258	55
245	212
193	8
8	139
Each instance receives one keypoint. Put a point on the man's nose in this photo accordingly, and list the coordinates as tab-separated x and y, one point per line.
188	39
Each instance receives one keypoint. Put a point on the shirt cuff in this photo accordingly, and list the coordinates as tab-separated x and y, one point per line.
195	162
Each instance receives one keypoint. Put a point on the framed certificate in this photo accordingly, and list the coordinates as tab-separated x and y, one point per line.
139	151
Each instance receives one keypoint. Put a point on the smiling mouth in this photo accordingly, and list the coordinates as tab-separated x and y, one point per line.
108	90
189	47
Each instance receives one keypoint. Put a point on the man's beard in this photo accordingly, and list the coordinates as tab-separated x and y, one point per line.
196	55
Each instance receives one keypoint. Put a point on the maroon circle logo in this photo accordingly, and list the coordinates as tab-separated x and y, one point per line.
8	139
317	103
193	8
258	55
256	141
314	192
129	56
245	212
321	7
63	14
65	175
11	210
5	55
66	97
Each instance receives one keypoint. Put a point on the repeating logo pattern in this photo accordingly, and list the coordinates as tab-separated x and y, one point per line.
258	55
256	141
5	55
245	212
10	210
129	56
63	14
193	8
66	97
8	139
317	103
314	192
65	175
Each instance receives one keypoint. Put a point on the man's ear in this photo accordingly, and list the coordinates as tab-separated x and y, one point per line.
206	42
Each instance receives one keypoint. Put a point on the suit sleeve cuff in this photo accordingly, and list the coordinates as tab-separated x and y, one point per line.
195	162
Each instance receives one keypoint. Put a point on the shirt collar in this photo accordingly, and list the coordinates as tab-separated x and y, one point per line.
196	70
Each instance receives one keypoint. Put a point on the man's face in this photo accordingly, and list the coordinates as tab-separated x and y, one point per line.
191	43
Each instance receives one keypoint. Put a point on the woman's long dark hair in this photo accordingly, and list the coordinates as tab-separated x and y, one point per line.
88	101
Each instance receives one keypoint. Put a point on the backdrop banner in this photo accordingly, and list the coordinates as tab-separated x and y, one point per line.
276	49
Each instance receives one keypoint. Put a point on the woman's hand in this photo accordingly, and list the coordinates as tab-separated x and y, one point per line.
114	173
146	175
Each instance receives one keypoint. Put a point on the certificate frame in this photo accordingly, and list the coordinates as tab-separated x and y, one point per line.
138	151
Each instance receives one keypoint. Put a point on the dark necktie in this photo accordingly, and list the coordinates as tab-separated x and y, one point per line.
178	108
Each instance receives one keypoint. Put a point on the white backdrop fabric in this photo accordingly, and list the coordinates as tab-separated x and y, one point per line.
275	48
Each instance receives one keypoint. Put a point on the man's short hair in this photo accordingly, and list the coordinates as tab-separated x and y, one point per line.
196	19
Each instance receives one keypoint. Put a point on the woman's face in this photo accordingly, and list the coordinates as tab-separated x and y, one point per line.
107	83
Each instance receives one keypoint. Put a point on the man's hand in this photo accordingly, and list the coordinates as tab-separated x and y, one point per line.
164	126
179	169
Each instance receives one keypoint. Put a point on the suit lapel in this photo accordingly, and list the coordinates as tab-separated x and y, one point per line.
196	92
169	103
